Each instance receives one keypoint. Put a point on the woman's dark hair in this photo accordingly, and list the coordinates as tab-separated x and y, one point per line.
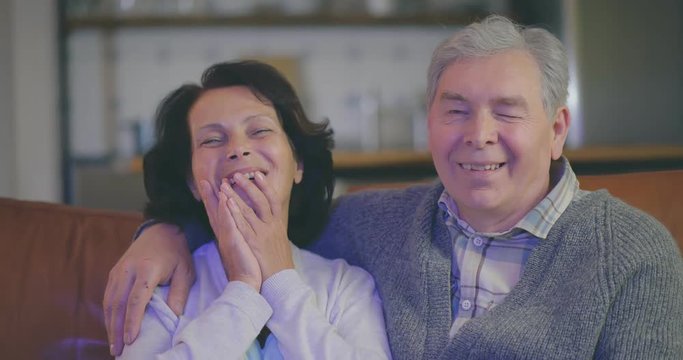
167	165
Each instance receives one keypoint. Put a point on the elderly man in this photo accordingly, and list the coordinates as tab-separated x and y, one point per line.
504	257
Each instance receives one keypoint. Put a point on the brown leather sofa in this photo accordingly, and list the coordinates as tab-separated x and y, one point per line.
56	258
53	271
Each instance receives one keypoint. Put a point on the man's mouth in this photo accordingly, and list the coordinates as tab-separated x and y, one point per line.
481	167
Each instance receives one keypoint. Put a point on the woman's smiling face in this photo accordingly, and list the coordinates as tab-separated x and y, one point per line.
233	131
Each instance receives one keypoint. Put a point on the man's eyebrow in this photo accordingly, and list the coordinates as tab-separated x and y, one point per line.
511	101
446	95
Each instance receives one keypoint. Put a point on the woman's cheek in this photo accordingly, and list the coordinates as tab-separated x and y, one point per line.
201	170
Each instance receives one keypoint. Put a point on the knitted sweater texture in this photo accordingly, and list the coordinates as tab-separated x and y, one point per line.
606	283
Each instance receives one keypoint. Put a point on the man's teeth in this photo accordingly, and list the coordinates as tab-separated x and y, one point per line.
249	175
477	167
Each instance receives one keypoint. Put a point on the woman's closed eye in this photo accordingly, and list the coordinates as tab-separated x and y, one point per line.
212	141
261	131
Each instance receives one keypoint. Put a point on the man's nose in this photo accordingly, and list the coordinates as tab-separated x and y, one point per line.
481	130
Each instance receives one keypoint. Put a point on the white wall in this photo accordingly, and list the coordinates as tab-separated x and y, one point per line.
7	166
335	68
630	55
28	101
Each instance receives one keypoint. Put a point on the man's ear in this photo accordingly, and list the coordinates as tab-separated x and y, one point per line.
560	131
193	188
299	172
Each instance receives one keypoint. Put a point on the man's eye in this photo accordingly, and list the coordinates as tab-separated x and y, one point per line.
508	116
457	112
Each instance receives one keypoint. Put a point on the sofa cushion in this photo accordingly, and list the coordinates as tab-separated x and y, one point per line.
53	271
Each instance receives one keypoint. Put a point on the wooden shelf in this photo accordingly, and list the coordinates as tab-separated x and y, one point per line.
588	160
624	153
139	21
346	159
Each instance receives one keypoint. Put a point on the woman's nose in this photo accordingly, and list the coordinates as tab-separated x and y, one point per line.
237	151
237	154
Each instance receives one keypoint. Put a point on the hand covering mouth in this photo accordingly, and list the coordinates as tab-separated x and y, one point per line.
251	175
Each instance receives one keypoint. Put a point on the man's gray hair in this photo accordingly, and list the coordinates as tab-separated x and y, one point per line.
496	34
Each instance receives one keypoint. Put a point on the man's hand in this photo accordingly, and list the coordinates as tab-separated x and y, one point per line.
159	256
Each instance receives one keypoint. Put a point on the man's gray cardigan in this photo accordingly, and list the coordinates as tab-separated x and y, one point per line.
606	283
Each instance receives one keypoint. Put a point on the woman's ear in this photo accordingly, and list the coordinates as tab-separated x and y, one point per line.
299	172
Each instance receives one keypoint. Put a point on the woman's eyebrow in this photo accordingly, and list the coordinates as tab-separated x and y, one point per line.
257	117
219	126
210	127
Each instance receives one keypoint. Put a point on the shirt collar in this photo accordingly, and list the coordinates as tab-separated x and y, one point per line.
539	220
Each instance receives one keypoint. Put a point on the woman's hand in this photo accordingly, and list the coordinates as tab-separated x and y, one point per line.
238	260
264	226
159	256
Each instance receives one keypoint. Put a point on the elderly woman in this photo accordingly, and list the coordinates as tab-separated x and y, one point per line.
238	155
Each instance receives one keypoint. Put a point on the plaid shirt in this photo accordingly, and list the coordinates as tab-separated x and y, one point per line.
486	266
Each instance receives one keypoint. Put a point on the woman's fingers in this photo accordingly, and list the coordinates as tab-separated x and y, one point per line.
267	238
223	216
260	203
270	194
246	218
239	261
238	214
227	229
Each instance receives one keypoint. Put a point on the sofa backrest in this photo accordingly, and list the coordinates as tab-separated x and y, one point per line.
658	193
55	260
54	264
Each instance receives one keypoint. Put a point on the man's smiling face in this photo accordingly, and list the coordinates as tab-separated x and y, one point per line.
491	139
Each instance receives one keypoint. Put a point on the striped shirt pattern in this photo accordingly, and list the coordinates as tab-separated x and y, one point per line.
486	266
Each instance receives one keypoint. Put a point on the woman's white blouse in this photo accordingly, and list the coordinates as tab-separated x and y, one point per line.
322	309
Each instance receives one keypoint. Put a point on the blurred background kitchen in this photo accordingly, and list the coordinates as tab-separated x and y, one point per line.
80	80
